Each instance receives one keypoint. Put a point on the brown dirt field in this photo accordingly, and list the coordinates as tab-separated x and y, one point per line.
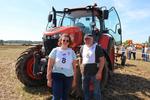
131	82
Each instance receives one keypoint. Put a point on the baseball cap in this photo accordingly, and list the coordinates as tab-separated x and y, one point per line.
88	35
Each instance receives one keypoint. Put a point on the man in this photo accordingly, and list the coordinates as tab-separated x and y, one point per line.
123	50
92	67
133	51
129	49
123	55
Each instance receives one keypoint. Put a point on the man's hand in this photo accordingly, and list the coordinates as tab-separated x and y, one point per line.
99	76
101	66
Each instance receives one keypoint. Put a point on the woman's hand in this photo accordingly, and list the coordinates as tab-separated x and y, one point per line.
49	83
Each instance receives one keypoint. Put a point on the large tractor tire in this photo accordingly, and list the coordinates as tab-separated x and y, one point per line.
105	76
24	68
76	92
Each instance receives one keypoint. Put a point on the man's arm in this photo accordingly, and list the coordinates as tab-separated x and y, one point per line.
101	66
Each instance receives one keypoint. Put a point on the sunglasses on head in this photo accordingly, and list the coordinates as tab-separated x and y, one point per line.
65	40
90	35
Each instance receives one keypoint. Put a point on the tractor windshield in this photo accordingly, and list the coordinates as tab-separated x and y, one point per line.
80	18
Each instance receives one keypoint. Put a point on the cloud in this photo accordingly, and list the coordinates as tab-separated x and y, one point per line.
138	14
122	5
132	10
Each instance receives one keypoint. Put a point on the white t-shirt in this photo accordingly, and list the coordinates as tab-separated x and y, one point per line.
134	49
146	50
129	49
88	54
63	61
123	49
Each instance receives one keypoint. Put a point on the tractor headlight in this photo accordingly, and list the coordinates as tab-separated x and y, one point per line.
44	37
43	49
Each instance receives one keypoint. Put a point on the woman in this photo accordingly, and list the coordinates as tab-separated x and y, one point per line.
61	68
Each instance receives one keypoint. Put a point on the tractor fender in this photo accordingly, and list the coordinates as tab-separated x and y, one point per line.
107	44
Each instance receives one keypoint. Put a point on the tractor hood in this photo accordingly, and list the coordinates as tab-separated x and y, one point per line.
63	29
74	32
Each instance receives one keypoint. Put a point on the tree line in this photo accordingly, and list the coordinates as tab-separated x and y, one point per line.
19	42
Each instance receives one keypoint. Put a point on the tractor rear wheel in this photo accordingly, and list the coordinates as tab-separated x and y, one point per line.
24	68
76	92
105	76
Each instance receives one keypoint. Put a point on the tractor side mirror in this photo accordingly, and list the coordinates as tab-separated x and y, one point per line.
50	16
105	14
119	31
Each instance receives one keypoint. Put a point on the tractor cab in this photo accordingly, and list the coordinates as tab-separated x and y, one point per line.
88	19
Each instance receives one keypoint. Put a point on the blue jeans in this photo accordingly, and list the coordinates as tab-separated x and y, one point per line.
146	58
86	88
61	86
129	55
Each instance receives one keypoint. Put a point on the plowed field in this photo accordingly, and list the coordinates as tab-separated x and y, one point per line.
131	82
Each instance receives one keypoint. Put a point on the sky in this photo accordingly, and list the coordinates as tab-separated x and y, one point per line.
27	19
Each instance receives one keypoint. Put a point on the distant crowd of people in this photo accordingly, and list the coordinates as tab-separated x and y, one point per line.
130	51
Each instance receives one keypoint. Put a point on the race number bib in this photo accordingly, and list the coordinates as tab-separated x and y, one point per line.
63	60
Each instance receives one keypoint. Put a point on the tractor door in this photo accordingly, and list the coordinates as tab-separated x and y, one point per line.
56	20
114	26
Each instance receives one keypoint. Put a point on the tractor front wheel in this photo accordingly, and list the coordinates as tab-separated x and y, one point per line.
24	68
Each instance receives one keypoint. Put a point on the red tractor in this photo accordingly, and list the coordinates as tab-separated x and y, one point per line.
102	23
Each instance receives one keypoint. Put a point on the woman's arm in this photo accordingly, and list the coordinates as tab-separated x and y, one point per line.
49	71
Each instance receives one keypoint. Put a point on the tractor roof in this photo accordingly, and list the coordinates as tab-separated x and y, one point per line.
82	11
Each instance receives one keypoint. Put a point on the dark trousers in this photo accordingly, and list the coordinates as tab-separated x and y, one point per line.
61	86
123	59
134	55
123	54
